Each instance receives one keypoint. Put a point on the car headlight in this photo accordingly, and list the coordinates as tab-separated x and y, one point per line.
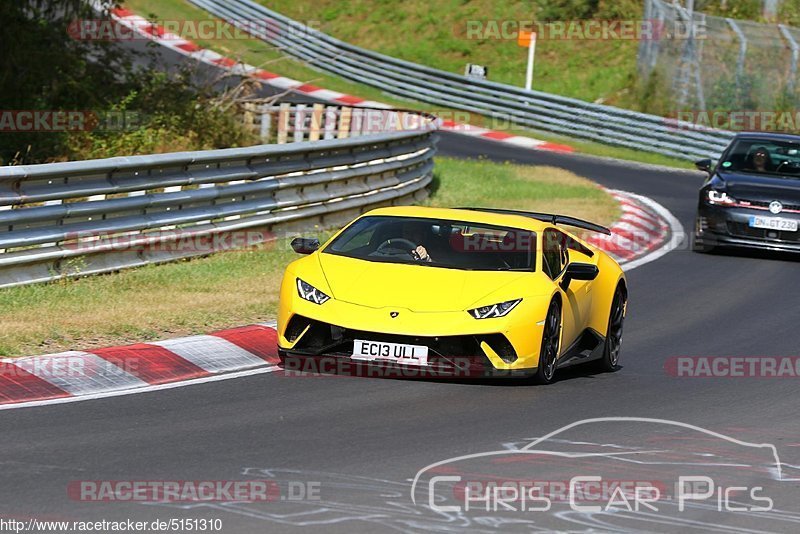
720	197
495	310
311	293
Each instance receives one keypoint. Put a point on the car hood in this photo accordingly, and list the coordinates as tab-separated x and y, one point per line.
417	287
760	187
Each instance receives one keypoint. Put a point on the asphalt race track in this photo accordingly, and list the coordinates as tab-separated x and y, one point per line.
361	441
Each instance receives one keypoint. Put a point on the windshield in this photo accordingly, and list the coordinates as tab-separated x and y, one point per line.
437	243
763	157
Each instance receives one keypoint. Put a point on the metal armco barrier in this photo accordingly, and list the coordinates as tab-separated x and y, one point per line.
534	109
87	217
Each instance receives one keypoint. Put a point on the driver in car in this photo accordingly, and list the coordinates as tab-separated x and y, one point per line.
761	159
415	232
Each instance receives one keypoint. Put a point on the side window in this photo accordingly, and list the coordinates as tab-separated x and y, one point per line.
360	234
554	252
549	254
361	240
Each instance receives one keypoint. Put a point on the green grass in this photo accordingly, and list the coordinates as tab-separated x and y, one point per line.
585	69
241	287
588	70
503	185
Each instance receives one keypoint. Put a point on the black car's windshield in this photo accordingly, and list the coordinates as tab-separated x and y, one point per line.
437	243
761	156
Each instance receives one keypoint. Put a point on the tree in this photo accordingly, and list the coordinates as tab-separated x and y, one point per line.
45	68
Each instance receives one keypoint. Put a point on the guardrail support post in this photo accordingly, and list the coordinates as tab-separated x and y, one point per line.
742	51
283	123
330	122
795	53
266	124
316	122
344	122
299	123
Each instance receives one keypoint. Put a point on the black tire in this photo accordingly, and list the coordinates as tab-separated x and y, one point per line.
613	344
551	341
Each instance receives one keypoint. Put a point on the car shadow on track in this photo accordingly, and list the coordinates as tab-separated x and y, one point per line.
586	370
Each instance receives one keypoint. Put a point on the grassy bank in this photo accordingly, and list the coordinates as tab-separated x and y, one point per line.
240	287
599	69
570	70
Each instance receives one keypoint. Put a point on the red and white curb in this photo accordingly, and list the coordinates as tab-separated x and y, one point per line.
503	137
645	231
140	367
188	48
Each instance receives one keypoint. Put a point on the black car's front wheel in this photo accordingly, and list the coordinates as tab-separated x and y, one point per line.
551	341
613	345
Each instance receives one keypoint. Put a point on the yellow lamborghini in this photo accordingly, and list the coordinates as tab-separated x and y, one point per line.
463	292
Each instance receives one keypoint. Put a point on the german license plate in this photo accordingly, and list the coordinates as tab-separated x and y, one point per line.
774	223
395	352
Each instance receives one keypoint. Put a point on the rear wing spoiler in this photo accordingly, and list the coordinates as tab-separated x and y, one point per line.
549	217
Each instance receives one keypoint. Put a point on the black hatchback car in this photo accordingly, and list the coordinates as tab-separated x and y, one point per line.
752	196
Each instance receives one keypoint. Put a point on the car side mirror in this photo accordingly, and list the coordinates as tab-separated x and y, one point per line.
578	271
704	165
305	245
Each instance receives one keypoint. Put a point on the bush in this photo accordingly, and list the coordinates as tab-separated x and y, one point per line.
588	9
169	114
740	9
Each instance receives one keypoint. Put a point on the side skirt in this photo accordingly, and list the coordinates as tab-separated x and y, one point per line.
588	347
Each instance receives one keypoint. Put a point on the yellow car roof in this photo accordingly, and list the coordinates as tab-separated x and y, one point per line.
466	215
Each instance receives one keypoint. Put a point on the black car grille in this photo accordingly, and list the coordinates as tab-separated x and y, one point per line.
323	338
745	230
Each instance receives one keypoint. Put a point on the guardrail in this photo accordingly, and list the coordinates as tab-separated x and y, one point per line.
534	109
87	217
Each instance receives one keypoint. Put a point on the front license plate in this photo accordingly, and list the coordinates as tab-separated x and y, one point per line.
395	352
774	223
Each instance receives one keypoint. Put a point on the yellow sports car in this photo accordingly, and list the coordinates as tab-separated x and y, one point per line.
459	292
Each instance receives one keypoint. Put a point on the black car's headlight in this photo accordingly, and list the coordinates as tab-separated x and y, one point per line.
311	293
495	310
719	198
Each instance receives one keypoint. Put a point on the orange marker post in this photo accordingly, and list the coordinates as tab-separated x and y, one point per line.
528	39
